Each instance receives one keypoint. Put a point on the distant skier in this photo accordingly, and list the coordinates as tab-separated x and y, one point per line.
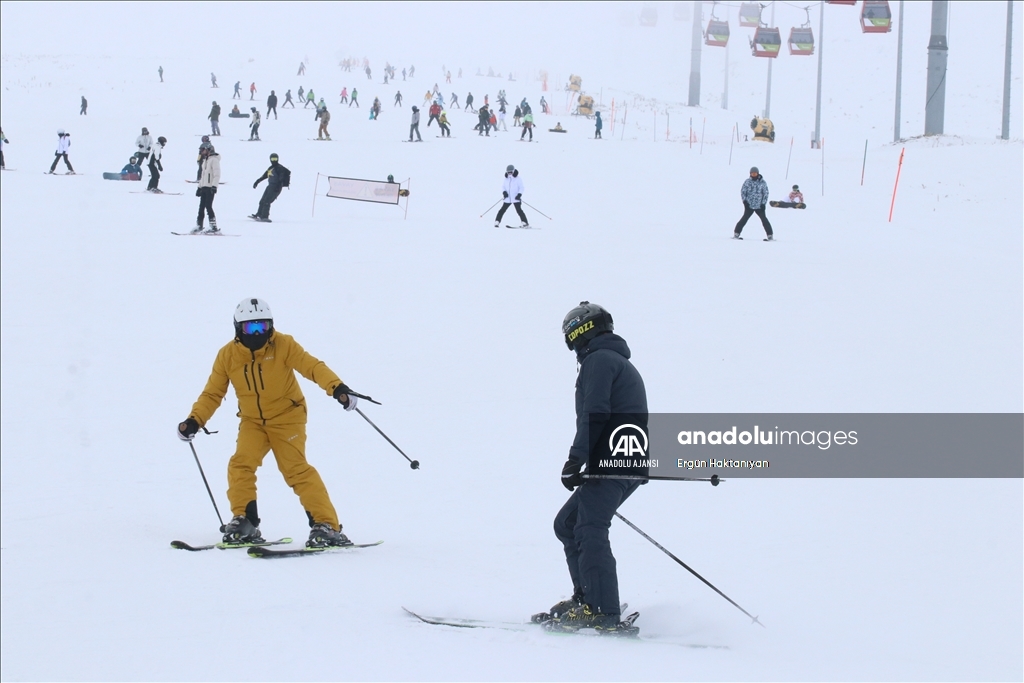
754	194
484	121
369	74
403	74
415	127
325	119
310	99
63	145
302	69
214	118
543	106
209	179
143	144
606	383
301	92
455	101
517	116
501	120
427	96
469	103
375	109
448	77
272	105
446	131
277	177
156	165
287	100
344	95
161	72
355	98
273	417
213	81
512	191
412	72
398	98
598	125
85	106
527	126
434	112
3	141
254	125
237	95
252	91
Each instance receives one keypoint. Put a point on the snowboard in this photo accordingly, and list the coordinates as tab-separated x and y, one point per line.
787	205
119	176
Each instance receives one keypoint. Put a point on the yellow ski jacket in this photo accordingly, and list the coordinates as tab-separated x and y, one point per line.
264	381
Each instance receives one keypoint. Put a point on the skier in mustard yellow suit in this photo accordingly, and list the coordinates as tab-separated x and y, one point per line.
260	363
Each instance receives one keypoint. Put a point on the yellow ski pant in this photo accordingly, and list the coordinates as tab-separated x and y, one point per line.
288	442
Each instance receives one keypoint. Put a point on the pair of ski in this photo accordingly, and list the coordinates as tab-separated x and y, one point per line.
204	234
737	237
264	551
520	227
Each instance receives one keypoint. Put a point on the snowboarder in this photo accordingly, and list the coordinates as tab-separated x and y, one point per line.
796	200
434	112
527	126
277	177
254	126
214	118
156	165
598	125
344	95
415	127
161	72
3	141
144	143
325	118
355	98
398	98
252	91
85	106
469	103
446	131
237	95
607	383
131	170
213	81
273	417
455	101
310	99
272	105
375	109
754	194
512	191
209	179
63	145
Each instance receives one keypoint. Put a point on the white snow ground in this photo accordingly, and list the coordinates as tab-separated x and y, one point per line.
110	325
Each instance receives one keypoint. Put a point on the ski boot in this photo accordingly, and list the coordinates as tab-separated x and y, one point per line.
214	230
559	608
323	535
198	230
241	531
582	616
497	224
736	236
769	238
524	226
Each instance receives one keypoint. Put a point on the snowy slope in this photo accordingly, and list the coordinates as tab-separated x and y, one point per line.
110	325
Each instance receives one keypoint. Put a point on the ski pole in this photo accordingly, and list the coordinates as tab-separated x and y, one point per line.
491	207
715	481
687	568
207	484
538	211
414	464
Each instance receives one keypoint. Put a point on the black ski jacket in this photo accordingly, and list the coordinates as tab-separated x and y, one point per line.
277	176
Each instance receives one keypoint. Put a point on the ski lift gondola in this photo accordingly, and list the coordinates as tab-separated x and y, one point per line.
875	16
717	34
649	16
801	38
750	14
766	42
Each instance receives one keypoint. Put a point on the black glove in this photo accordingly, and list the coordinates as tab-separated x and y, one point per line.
519	197
255	185
504	195
199	192
213	190
188	429
341	395
571	477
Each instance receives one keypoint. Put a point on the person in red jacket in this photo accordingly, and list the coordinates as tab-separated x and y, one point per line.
252	91
435	113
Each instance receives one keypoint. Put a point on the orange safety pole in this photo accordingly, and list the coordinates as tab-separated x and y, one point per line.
898	169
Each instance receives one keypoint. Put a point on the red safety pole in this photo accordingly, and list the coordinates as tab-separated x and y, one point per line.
898	169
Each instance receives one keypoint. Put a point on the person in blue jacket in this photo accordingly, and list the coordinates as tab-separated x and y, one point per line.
132	168
598	125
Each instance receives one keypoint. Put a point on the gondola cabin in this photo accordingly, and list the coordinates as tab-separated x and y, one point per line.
750	14
801	41
649	16
766	42
875	16
717	34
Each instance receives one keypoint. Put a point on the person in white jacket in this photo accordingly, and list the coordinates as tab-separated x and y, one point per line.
209	179
512	191
144	144
63	145
155	165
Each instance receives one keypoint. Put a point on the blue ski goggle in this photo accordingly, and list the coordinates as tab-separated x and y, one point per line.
256	326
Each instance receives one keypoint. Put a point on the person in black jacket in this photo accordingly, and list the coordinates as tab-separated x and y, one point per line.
607	386
277	177
272	104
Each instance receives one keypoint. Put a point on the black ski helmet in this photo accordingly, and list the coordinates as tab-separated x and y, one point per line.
253	311
585	322
274	158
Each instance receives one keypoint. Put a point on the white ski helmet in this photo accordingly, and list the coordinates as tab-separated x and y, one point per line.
60	131
251	310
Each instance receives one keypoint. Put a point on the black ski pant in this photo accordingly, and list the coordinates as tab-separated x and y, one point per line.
504	208
525	130
57	157
597	133
355	102
415	128
83	112
272	109
445	130
269	195
154	175
747	213
433	117
582	526
140	157
206	195
286	103
255	134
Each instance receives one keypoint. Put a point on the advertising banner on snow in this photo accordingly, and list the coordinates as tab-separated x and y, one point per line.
377	191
